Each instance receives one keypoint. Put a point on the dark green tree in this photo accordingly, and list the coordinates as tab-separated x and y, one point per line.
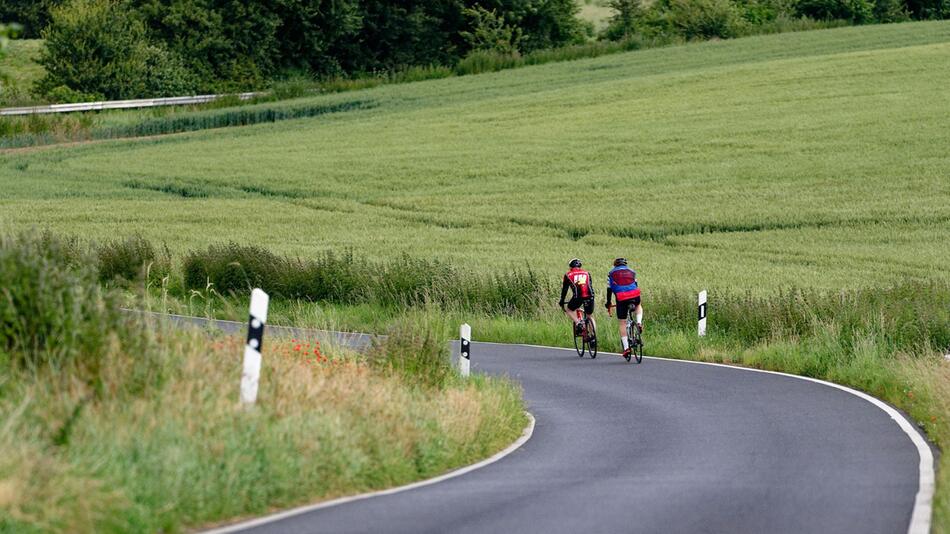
855	11
33	15
626	20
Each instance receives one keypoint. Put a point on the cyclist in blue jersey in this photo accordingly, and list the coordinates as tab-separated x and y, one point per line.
622	282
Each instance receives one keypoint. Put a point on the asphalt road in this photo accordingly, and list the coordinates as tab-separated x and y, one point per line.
664	446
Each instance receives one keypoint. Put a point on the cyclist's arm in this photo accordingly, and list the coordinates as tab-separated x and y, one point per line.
609	295
564	287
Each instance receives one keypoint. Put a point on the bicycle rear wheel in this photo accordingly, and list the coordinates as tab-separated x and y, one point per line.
638	348
578	342
591	340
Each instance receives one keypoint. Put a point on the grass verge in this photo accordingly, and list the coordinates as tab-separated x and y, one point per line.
136	427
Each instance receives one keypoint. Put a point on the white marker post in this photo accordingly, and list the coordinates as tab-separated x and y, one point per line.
465	349
702	313
252	350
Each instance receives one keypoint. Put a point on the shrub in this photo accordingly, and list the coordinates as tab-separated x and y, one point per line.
856	11
234	268
130	260
99	47
490	33
626	22
698	19
890	11
64	95
52	312
32	14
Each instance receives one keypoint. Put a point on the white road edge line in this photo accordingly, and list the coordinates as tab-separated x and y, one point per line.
923	503
237	527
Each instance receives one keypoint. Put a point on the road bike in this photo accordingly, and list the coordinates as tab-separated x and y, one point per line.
634	338
585	337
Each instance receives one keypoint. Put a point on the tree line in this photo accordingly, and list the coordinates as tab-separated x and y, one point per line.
143	48
133	48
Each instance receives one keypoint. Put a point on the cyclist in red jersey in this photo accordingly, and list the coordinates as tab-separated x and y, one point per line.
622	283
582	293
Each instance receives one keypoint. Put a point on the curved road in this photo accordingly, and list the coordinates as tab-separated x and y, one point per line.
664	446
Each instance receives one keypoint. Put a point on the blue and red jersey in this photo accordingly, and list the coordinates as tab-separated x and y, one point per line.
622	281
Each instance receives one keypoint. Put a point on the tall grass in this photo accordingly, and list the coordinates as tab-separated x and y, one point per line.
406	281
131	259
52	312
176	123
109	423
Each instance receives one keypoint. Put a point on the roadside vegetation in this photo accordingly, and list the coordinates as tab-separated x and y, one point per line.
888	341
112	423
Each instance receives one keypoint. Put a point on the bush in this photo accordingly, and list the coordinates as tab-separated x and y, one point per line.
132	259
99	47
62	94
856	11
626	22
890	11
234	268
698	19
32	14
52	312
490	33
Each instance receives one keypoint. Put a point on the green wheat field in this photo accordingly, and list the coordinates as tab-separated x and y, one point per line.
818	159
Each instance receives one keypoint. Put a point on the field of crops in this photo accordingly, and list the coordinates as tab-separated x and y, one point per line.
814	159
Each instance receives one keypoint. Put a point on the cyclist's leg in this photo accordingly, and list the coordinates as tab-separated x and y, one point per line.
589	310
571	310
623	308
639	312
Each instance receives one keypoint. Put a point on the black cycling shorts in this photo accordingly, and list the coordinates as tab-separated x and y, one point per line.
576	302
624	307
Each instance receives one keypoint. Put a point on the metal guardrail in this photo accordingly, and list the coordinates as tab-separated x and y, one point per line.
121	104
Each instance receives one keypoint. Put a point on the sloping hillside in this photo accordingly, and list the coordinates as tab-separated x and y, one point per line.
812	159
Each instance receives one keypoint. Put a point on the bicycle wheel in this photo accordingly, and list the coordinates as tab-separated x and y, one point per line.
631	339
591	340
638	348
578	342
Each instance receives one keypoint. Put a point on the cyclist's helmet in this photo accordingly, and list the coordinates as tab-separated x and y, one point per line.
574	263
620	261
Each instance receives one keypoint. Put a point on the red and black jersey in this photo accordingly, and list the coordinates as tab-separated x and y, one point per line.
578	280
